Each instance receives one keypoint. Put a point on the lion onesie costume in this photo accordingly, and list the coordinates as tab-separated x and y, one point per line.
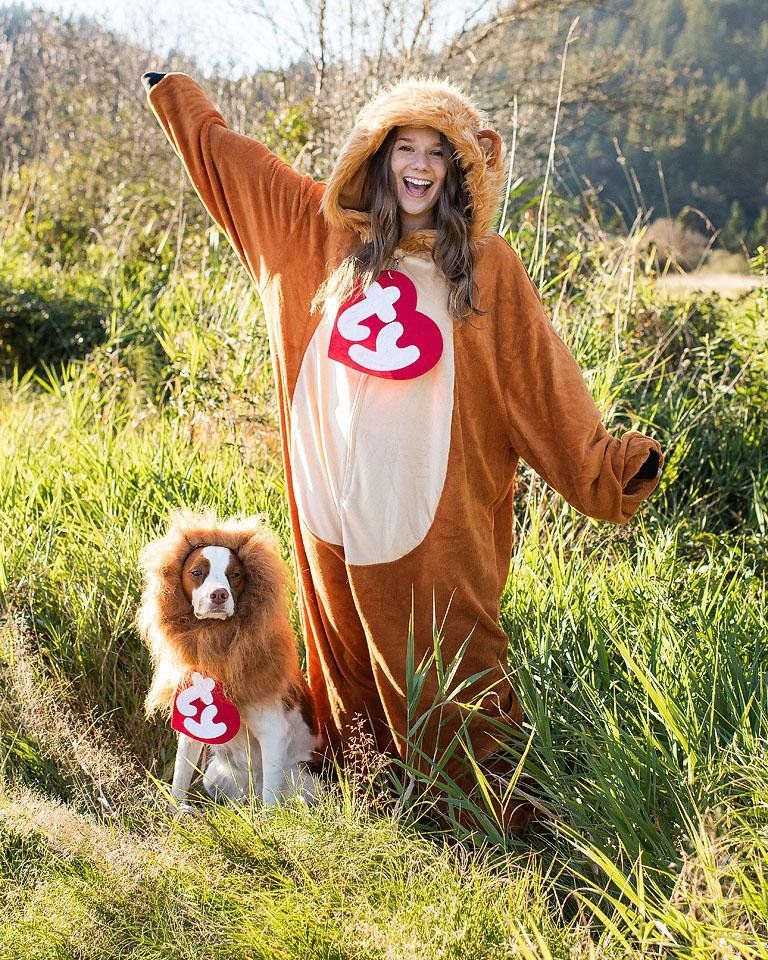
402	429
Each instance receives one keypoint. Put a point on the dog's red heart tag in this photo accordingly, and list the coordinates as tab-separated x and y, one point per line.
380	331
202	712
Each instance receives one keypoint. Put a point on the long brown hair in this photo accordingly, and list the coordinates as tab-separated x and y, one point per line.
453	251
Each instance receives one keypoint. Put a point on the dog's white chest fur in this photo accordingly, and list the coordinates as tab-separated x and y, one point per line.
269	735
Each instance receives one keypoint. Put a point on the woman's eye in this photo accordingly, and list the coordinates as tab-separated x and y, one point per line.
408	147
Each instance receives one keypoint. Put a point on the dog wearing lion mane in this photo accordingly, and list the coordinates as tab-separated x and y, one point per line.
226	669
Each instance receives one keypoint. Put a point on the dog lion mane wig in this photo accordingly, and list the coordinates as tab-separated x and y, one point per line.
254	650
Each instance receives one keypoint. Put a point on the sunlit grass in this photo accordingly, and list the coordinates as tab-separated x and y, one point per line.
638	653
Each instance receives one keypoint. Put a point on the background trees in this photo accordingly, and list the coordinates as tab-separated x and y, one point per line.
665	106
707	132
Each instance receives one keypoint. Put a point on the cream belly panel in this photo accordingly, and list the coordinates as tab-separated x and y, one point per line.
369	455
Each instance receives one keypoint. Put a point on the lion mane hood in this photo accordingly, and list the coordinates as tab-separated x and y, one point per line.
418	102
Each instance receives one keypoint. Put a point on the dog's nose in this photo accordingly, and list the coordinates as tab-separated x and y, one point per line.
218	596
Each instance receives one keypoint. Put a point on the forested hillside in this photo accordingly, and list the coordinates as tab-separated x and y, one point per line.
665	106
710	131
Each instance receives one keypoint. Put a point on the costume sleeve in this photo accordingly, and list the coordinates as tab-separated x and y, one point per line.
553	423
259	201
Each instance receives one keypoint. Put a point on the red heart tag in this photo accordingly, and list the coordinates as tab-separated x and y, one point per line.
202	712
380	331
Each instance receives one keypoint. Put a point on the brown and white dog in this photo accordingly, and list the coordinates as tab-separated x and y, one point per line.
213	615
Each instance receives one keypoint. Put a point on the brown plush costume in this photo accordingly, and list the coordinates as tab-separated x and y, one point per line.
401	429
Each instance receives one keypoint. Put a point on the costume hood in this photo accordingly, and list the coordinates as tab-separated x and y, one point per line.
418	102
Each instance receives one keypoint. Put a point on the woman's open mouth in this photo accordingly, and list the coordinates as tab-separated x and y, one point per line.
415	187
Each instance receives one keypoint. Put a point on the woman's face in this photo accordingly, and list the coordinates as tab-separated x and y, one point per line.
419	164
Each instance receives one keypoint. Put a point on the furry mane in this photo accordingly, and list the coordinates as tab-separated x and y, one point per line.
255	649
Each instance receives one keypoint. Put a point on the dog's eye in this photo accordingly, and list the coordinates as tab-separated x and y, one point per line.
197	573
234	575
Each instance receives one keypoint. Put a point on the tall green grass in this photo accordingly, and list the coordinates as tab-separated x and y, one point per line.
638	653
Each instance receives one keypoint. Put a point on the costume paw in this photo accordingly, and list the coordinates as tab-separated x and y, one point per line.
150	79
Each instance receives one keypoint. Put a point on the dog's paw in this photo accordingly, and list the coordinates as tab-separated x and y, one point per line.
180	809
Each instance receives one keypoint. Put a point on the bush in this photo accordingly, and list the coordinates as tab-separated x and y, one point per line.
45	320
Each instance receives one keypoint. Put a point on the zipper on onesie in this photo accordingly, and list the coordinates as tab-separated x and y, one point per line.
357	401
354	416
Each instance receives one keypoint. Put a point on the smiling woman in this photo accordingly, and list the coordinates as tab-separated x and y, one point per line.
419	162
417	187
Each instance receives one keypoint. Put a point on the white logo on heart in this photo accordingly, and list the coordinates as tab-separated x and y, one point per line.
378	302
206	727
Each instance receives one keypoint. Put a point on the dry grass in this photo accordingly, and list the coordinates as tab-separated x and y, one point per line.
702	281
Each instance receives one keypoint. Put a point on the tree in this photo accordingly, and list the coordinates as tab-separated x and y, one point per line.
498	51
758	235
733	234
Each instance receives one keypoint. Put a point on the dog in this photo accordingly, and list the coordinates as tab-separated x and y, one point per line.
213	614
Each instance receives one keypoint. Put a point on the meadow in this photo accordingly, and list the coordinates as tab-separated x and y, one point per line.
134	385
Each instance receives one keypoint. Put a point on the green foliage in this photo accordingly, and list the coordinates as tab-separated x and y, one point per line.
758	236
288	132
45	315
638	653
330	882
710	396
734	233
712	56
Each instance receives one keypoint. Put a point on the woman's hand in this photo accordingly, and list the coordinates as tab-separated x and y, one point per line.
150	79
650	468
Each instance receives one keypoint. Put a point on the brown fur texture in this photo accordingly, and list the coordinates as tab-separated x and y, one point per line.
253	653
418	102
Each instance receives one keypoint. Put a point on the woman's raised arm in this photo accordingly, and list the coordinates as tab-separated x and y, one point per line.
259	201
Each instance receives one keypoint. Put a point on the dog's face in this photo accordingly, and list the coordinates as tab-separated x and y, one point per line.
213	579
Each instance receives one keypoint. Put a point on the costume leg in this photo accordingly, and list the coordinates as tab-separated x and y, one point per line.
385	595
438	746
339	665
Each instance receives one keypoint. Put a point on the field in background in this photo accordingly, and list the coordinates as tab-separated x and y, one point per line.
727	284
638	651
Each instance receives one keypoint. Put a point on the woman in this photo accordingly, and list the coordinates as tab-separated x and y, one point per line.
414	365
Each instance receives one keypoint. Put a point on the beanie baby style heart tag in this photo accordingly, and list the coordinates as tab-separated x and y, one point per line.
202	712
381	332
